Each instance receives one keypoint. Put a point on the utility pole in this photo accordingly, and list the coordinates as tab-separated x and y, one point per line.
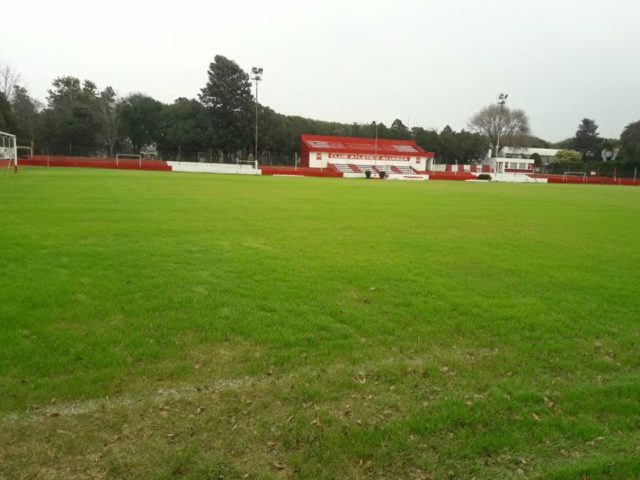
257	76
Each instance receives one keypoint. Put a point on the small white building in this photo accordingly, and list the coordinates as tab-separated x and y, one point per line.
546	154
510	165
519	159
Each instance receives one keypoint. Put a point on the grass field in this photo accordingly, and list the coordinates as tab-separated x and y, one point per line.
157	325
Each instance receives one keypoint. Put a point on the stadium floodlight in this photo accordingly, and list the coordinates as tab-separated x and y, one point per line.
375	157
257	77
502	99
9	150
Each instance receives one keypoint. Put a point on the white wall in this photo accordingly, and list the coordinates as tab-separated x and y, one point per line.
516	178
223	168
395	176
318	160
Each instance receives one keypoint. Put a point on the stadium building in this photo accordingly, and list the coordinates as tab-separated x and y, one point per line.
350	155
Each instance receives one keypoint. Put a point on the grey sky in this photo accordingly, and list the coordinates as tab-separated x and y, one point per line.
428	62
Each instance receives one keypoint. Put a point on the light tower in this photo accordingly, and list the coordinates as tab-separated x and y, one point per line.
257	77
375	157
502	99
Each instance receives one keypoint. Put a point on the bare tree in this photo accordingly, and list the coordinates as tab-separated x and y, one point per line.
9	79
502	125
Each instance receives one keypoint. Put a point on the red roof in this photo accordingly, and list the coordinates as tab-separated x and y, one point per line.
322	143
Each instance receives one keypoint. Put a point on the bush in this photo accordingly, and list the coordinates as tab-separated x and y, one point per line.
382	174
484	176
367	173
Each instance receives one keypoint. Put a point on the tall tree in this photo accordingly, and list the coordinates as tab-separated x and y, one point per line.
139	116
451	146
448	149
108	118
7	122
502	125
566	157
273	132
429	140
630	142
399	130
472	146
227	96
26	112
184	129
587	140
70	123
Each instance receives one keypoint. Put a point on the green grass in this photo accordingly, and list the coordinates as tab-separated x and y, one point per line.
157	325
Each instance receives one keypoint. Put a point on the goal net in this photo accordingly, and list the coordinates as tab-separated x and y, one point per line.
582	176
8	151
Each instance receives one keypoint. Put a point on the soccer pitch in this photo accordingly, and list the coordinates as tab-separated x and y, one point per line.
157	325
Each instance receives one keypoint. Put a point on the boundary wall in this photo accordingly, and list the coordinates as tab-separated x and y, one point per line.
94	162
300	171
159	165
590	180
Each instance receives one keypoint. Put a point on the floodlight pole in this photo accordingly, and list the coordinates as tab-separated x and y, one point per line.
257	76
502	99
375	157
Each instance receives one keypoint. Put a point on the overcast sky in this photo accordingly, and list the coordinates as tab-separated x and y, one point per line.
428	62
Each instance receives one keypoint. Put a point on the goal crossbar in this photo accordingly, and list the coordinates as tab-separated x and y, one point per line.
582	175
129	156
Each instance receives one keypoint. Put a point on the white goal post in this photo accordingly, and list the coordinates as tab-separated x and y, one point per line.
9	150
131	156
582	175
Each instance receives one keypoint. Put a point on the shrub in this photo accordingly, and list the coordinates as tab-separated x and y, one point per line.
367	173
484	176
382	174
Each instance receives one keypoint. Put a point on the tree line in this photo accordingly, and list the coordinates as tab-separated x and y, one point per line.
78	118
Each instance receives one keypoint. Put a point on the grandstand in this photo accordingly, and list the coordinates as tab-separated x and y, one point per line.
356	155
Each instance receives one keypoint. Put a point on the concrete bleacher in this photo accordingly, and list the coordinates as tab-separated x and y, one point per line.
342	167
405	170
364	168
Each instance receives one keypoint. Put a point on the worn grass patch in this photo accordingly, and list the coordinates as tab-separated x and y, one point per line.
158	325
